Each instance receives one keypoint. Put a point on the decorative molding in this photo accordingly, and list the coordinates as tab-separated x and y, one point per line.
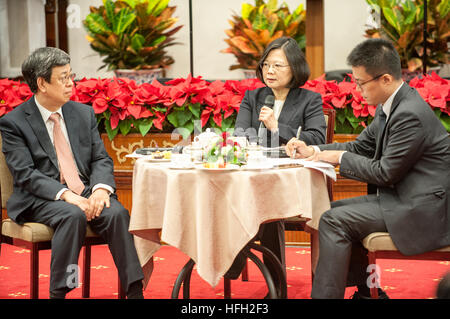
34	31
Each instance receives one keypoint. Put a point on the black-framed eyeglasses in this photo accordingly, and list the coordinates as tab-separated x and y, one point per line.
276	67
360	84
65	79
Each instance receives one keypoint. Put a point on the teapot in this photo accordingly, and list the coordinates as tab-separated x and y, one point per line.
205	138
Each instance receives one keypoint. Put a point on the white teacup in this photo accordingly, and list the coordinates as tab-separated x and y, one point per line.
256	159
181	160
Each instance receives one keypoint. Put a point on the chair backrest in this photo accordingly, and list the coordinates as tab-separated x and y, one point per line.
330	116
6	180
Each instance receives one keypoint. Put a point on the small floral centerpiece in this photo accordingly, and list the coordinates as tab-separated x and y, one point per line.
223	150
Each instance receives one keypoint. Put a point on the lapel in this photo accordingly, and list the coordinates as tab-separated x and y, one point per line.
73	131
288	111
381	139
36	122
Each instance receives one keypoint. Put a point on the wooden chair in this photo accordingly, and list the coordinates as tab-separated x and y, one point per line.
36	237
380	245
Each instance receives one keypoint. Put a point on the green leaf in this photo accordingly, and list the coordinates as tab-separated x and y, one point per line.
158	40
444	8
160	7
123	20
185	131
272	5
298	10
260	22
246	10
444	118
96	24
109	9
137	42
125	126
195	110
144	125
228	123
179	116
391	18
340	116
111	133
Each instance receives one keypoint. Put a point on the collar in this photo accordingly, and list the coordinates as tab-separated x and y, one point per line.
46	113
388	104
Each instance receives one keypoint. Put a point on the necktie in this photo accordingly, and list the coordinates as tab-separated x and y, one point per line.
67	166
381	126
382	121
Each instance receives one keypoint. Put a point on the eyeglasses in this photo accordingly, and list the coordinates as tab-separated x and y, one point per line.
65	79
360	84
276	67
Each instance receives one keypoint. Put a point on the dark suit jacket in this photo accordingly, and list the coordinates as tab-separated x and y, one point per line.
410	164
32	160
301	108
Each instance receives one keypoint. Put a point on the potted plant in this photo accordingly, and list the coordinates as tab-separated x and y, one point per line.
132	35
402	22
257	26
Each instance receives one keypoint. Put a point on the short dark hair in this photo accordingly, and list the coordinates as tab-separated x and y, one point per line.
296	59
40	63
377	56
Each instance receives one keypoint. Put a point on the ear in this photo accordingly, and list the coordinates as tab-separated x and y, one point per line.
42	84
387	79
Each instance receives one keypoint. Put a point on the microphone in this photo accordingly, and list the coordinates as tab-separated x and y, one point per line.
268	102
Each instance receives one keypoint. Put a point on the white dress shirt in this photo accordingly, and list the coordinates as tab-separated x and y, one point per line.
49	125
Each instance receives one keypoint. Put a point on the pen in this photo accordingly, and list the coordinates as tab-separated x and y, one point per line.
299	130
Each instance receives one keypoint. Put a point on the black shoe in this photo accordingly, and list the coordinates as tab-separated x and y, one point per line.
58	294
381	295
136	290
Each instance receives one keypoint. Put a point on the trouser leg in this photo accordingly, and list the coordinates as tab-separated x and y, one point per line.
342	259
69	225
112	225
272	237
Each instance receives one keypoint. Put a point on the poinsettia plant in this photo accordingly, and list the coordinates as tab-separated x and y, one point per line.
12	94
122	106
436	92
185	103
353	113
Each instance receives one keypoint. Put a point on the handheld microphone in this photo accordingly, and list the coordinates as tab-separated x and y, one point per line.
268	102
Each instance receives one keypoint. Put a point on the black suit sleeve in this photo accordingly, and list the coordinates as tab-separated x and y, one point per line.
22	166
243	126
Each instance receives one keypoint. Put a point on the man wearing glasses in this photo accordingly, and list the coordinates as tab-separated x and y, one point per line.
63	176
405	153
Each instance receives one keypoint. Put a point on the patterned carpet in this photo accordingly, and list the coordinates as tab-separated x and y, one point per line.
399	278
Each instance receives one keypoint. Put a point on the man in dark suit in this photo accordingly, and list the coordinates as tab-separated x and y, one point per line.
48	192
405	152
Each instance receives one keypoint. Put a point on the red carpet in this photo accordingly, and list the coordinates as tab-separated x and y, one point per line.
399	278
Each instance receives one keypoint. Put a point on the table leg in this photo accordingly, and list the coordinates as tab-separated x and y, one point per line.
184	274
265	271
270	257
184	277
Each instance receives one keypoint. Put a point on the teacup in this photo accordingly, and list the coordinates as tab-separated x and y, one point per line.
181	160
